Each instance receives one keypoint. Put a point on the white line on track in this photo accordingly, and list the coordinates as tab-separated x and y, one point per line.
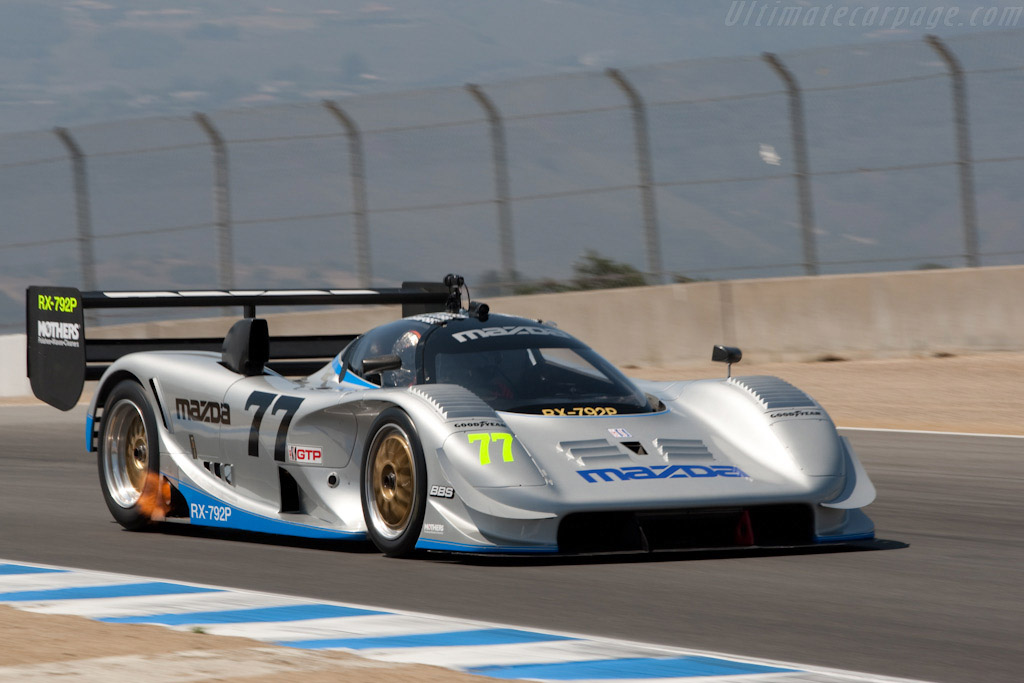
96	608
468	656
931	433
338	627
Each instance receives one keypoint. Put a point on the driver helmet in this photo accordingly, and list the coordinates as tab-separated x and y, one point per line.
405	348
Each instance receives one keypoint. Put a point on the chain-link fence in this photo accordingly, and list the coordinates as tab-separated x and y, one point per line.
858	158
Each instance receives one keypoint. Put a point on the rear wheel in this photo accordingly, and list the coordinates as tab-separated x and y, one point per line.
129	459
394	484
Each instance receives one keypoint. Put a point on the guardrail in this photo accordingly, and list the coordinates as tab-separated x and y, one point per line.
879	156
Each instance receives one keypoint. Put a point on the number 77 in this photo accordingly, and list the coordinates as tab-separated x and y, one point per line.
485	445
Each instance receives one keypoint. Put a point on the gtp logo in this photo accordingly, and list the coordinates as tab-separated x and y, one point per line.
309	455
660	472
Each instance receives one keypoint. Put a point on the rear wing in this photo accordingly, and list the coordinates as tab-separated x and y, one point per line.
61	357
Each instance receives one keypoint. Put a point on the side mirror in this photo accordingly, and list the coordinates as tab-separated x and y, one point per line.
726	354
379	364
480	311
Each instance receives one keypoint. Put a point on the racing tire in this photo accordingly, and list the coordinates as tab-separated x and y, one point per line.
129	458
394	484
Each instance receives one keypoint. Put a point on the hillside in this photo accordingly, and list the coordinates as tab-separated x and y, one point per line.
73	62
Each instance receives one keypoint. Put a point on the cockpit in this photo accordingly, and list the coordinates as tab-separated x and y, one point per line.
512	364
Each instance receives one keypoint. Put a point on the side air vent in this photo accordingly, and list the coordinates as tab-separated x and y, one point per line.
290	499
771	392
453	402
587	451
682	449
225	472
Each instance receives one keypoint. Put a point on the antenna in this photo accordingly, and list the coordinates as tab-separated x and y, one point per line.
454	283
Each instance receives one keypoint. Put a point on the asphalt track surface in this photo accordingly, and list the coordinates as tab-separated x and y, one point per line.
940	595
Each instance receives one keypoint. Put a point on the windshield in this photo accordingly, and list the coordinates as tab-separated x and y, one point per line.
544	380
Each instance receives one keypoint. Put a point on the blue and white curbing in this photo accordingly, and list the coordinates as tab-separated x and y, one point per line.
384	635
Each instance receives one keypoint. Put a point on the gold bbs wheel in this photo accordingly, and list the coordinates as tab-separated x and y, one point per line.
129	459
394	484
393	478
126	445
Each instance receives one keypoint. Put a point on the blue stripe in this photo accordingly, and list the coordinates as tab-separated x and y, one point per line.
244	616
349	377
7	569
250	521
118	591
88	432
492	636
676	667
848	537
433	544
358	381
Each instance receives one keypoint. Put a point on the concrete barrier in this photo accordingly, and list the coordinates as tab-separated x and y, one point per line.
869	315
13	381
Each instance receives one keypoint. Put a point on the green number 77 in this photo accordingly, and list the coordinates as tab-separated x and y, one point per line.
485	440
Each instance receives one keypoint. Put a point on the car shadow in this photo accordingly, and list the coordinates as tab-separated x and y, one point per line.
633	557
362	547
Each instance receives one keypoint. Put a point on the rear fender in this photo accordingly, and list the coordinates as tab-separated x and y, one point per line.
117	373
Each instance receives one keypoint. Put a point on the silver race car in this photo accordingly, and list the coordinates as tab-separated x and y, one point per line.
450	429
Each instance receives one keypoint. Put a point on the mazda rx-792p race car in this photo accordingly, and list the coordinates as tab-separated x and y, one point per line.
449	429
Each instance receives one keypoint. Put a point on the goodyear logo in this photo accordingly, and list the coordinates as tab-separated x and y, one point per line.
796	413
660	472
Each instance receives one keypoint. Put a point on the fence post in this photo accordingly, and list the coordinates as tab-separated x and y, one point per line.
221	202
803	173
963	149
499	152
83	212
357	171
642	143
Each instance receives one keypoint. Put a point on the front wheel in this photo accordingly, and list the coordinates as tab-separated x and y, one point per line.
129	458
394	484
